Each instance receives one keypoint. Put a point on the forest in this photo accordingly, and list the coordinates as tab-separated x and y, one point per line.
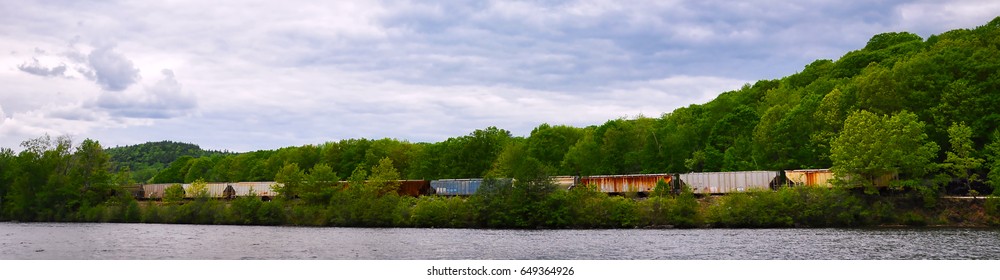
923	109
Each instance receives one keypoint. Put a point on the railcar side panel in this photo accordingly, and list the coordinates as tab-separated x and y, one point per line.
639	183
453	187
728	182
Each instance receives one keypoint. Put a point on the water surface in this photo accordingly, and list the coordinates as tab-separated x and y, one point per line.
160	241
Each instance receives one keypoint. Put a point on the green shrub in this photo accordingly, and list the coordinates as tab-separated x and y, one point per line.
271	213
914	219
622	212
151	214
307	215
992	206
132	212
243	210
430	211
684	212
173	194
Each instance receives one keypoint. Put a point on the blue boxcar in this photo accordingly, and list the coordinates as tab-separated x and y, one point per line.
456	186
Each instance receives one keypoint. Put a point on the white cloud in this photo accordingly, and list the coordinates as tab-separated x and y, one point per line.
929	17
264	74
35	68
165	99
111	70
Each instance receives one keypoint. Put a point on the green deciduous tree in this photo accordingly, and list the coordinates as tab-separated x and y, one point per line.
289	180
199	190
871	146
91	172
384	178
583	158
320	185
992	152
515	191
960	161
549	144
173	194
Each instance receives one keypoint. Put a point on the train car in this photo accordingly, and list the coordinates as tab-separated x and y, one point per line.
214	190
565	182
136	191
730	182
154	191
258	189
414	187
826	177
456	187
619	184
810	177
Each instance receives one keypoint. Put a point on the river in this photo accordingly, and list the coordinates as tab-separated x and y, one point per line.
74	241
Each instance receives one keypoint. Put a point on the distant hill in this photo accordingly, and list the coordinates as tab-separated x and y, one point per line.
946	80
147	159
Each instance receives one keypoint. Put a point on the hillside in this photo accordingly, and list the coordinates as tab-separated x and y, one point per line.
944	80
147	159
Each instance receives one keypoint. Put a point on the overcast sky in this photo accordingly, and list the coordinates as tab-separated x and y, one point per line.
270	74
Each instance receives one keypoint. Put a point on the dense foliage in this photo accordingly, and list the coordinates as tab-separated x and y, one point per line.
147	159
925	111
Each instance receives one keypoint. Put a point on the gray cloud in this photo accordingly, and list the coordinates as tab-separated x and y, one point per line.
72	114
291	73
165	99
582	45
35	68
111	70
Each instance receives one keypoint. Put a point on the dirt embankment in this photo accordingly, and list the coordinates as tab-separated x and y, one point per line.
961	212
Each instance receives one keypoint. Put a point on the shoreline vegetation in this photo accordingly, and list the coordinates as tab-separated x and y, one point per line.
922	111
802	207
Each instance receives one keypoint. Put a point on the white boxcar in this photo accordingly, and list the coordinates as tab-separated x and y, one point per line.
154	191
728	182
260	189
564	182
214	190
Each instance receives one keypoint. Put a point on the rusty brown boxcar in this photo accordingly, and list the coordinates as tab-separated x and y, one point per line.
414	187
826	177
618	184
810	177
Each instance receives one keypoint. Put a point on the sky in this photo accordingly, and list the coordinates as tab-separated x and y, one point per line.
253	75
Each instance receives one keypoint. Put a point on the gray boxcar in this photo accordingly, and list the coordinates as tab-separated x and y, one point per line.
259	189
728	182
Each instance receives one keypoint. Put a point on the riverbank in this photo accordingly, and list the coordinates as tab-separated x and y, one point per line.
575	209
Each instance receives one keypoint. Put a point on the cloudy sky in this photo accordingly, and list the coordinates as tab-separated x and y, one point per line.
268	74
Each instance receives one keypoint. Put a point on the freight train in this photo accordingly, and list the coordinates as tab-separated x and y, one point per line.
704	183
